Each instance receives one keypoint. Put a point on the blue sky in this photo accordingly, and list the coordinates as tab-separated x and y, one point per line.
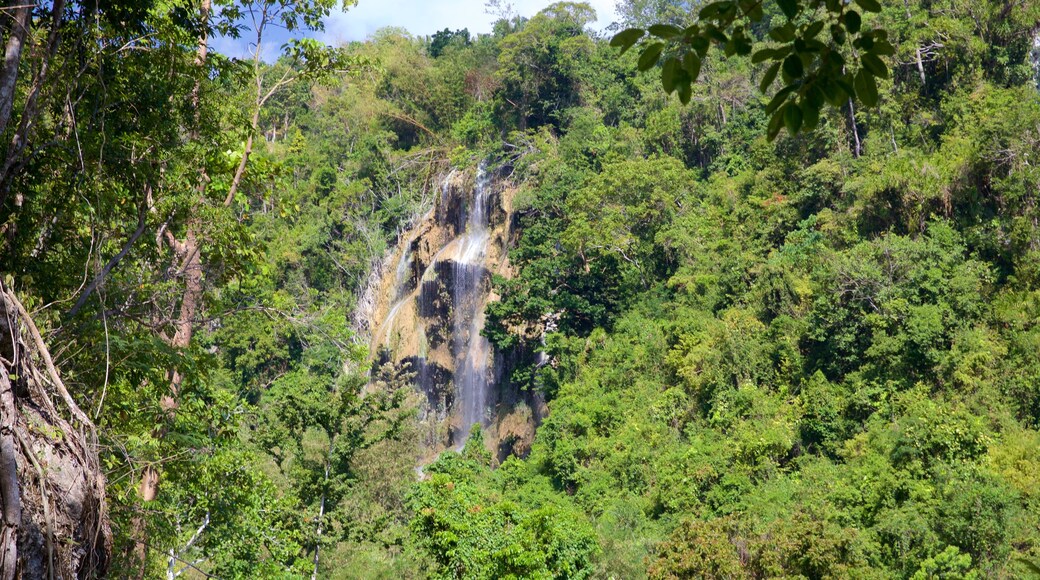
419	17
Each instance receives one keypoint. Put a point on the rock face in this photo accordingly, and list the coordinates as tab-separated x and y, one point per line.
55	522
429	313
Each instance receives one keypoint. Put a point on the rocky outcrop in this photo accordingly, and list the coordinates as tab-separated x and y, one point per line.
429	313
55	522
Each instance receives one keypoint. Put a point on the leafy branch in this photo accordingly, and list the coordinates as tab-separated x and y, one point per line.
815	69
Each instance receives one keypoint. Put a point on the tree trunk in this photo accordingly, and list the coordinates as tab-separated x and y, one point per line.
29	112
857	144
55	520
917	49
12	58
188	254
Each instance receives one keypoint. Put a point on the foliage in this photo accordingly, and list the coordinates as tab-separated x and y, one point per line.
472	525
815	355
844	66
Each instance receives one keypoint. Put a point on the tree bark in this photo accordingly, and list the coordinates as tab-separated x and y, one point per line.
30	110
10	493
920	67
12	58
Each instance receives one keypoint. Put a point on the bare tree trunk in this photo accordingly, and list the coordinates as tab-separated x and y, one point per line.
10	493
855	130
920	67
191	269
12	57
191	299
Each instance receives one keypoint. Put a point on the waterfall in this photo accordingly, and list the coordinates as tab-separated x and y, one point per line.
401	274
468	297
427	317
434	294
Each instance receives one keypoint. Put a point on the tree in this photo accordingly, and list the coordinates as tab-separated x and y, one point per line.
306	58
443	39
840	67
540	64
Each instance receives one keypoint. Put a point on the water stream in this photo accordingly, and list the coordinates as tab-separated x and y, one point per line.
457	269
468	297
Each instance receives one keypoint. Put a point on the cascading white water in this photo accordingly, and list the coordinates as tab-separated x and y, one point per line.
401	278
468	294
442	339
401	297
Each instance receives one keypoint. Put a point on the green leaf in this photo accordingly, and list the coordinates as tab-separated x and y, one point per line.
792	118
784	33
692	65
685	93
775	123
769	77
753	10
665	31
833	93
793	66
779	98
700	44
853	21
838	34
874	64
866	88
789	8
763	55
650	55
743	45
668	75
713	10
815	97
869	5
626	38
716	35
813	45
846	87
883	47
813	29
810	116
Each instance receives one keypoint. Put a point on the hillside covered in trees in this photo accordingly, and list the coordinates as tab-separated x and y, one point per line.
760	353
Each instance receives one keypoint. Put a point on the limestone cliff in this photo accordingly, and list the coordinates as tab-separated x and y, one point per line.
428	315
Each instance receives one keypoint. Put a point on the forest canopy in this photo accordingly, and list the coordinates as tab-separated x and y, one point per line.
807	353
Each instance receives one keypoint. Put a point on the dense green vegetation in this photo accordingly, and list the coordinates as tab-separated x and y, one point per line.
817	356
